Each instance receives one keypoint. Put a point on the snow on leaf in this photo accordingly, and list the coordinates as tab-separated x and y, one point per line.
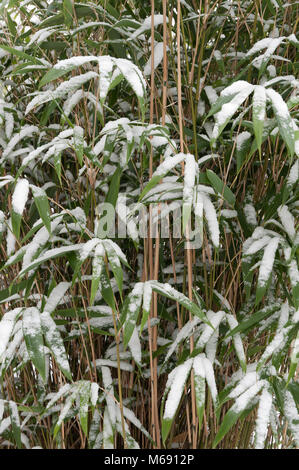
55	296
259	113
55	343
179	378
266	267
287	220
62	90
20	196
284	119
263	418
34	339
158	56
146	25
292	415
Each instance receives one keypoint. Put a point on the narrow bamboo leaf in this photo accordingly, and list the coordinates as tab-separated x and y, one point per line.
200	388
161	171
266	269
50	254
42	204
228	421
190	171
238	92
68	11
253	320
284	119
131	311
115	266
181	374
19	199
221	188
108	434
113	191
168	291
33	336
146	306
84	391
263	418
55	296
52	74
294	359
135	347
55	343
68	404
21	54
98	265
79	143
106	289
259	113
15	423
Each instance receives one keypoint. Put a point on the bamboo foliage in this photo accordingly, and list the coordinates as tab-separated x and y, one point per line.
149	284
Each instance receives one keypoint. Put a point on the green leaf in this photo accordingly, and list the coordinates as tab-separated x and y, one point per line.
55	343
200	388
178	378
115	266
42	204
228	421
113	191
98	265
16	223
284	119
259	114
294	359
161	171
84	391
221	188
68	12
131	310
15	423
33	336
49	255
52	74
22	55
168	291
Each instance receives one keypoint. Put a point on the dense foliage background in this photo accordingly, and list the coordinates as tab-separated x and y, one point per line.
110	341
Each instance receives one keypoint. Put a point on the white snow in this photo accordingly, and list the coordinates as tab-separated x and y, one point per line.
20	195
245	398
190	171
242	90
6	327
268	261
279	105
263	418
75	61
26	131
158	56
241	140
245	383
256	245
179	378
250	214
146	25
63	89
55	296
287	220
135	346
294	174
259	102
211	218
292	415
